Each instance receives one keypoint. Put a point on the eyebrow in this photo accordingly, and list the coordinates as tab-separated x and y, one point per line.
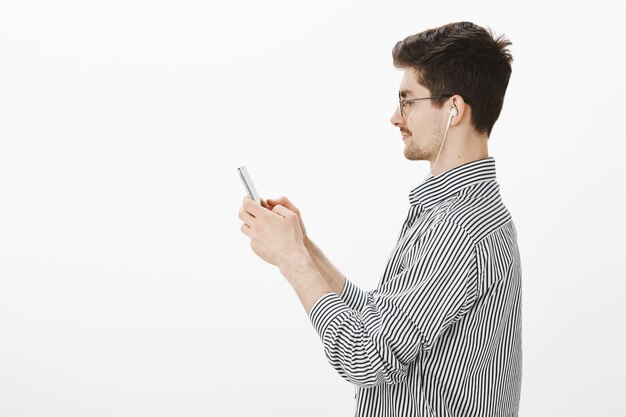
406	93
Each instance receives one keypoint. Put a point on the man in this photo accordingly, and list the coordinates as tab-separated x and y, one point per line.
441	334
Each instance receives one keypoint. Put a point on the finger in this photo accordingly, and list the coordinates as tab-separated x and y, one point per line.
246	217
263	202
247	198
247	230
284	201
282	211
252	207
280	200
271	203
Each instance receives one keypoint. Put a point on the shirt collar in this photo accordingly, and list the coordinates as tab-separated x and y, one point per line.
438	188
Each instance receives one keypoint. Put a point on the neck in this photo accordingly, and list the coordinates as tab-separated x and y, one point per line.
458	151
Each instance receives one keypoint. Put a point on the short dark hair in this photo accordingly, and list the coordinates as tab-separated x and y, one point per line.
461	58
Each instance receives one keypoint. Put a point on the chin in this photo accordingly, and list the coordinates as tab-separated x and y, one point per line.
413	154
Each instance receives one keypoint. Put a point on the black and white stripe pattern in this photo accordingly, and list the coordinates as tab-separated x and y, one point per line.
441	334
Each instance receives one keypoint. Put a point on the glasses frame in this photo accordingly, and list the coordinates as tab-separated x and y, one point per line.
411	100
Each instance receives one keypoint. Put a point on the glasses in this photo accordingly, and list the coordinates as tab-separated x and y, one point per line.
406	103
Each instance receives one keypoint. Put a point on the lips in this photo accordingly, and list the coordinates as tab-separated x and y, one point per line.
405	135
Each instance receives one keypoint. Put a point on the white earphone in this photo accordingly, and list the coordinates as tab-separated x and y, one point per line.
453	112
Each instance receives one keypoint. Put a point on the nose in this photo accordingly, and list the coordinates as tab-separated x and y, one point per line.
396	118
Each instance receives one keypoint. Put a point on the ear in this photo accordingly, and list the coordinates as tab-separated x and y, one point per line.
462	108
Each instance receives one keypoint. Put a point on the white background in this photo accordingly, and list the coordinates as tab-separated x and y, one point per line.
126	286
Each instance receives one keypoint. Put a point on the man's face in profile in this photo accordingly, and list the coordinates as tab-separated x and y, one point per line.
422	124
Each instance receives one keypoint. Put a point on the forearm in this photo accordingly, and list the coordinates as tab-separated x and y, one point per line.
345	335
305	279
333	277
360	348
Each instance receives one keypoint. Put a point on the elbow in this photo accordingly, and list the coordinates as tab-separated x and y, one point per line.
367	374
362	361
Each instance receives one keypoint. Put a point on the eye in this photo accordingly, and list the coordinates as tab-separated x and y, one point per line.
407	103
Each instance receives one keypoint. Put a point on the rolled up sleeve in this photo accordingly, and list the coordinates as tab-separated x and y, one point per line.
353	296
370	338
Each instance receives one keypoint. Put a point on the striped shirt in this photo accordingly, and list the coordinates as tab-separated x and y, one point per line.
441	334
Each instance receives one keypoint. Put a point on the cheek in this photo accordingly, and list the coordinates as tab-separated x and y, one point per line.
412	124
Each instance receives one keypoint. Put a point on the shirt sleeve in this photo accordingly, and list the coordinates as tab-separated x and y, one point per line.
353	296
375	345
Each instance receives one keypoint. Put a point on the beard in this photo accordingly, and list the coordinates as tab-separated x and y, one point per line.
422	152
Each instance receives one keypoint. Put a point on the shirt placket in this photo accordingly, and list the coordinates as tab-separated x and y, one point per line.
414	212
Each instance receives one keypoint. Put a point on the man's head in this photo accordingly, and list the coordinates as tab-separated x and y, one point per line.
466	65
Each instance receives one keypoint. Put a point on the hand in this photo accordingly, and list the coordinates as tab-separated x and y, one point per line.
275	235
284	201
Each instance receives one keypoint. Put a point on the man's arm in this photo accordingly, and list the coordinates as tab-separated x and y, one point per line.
305	279
405	315
333	277
374	344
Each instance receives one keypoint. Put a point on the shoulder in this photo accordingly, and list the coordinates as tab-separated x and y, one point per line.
477	209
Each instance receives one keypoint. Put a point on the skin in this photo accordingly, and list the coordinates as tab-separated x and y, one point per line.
424	126
277	238
275	227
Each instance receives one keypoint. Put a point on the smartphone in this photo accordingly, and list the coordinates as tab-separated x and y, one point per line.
248	184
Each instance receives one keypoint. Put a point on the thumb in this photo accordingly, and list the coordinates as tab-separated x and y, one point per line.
282	210
283	201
